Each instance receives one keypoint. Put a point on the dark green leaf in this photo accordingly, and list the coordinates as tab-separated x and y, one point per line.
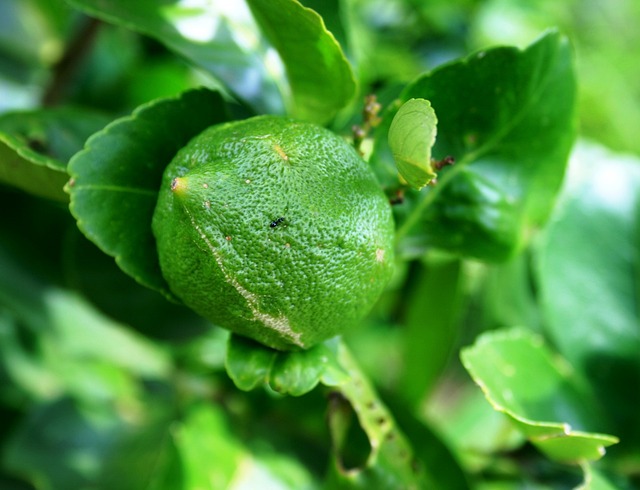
218	36
538	392
588	263
116	178
434	304
411	135
319	74
442	469
36	145
507	118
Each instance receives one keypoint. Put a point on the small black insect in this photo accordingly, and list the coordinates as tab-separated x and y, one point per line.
276	222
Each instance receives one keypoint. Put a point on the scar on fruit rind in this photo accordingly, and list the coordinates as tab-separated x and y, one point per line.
281	152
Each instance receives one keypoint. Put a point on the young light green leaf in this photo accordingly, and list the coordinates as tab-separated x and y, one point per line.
320	76
411	136
115	179
538	392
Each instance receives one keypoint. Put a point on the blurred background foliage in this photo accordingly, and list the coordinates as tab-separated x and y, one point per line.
388	40
116	400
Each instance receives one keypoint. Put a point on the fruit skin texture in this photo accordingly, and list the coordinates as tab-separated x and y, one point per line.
274	229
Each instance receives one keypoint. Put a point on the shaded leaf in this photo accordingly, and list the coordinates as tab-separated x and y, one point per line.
36	145
587	268
412	133
430	333
539	393
507	118
58	446
319	74
116	178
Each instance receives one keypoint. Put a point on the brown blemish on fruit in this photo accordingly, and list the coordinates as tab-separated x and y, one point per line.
228	238
207	204
281	152
205	185
380	255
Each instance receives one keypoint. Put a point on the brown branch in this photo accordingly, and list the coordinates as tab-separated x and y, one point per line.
64	70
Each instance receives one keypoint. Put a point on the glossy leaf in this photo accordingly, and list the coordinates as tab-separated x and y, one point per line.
250	365
116	178
507	118
319	74
538	392
217	36
587	269
36	145
411	135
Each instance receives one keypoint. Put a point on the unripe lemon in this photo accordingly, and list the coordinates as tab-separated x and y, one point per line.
274	229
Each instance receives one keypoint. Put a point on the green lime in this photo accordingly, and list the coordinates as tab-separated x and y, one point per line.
274	229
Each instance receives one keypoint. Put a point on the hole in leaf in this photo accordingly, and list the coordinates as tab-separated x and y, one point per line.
350	442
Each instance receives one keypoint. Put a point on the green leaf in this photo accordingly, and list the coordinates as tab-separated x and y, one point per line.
36	145
115	179
411	135
202	437
390	459
320	76
587	269
217	36
390	462
58	446
430	330
507	118
538	392
213	455
250	364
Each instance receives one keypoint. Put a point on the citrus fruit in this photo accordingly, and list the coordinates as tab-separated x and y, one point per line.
274	229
